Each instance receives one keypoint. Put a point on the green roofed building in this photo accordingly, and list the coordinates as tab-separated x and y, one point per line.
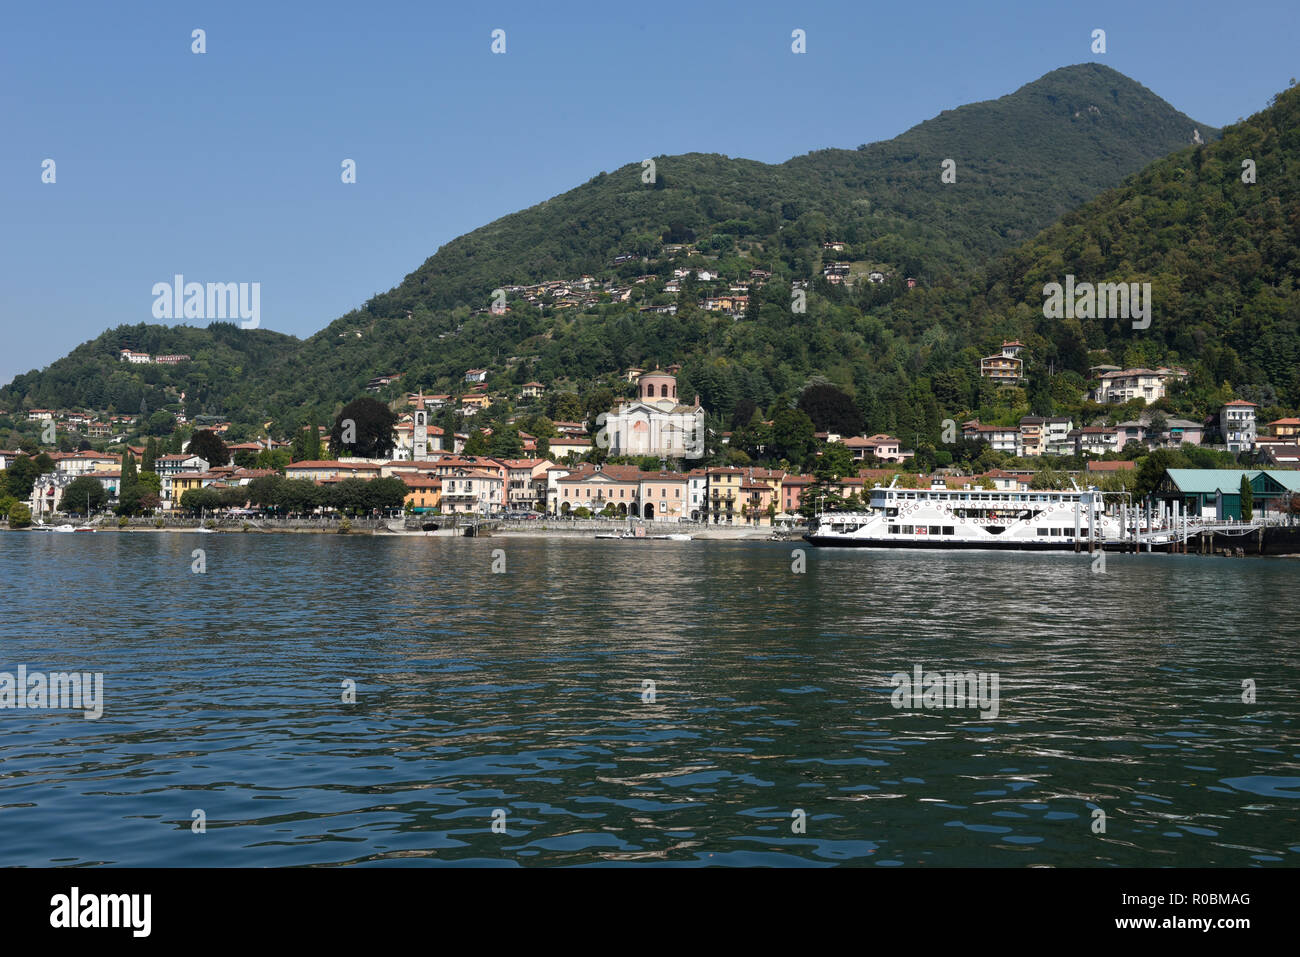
1216	493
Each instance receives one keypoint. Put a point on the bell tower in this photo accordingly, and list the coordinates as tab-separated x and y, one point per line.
420	431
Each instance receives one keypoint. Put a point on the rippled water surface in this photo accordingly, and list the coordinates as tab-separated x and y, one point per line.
524	693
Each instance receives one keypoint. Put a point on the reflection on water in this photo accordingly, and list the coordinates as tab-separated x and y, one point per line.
524	693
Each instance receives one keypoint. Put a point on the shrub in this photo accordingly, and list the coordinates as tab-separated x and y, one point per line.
20	516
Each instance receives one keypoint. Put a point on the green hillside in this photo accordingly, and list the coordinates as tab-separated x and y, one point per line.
1021	162
1222	257
226	362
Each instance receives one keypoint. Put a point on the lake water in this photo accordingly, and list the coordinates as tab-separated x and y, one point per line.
520	698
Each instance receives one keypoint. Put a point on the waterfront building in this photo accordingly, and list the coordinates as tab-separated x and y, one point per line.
663	496
655	423
472	490
1216	493
724	494
323	471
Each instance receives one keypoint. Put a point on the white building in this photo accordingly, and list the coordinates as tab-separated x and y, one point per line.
655	423
1126	385
697	490
1002	438
1056	435
1237	423
472	490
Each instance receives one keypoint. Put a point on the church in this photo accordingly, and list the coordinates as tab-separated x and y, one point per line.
655	423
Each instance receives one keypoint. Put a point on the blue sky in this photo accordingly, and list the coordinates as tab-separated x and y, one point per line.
226	166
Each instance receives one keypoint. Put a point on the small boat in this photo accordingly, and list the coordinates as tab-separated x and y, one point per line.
204	531
63	528
84	528
638	532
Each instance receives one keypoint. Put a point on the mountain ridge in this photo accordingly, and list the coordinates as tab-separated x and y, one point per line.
885	199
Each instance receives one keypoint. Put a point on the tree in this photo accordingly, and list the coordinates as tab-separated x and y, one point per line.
1158	425
149	482
277	459
743	413
265	491
19	477
84	494
836	461
477	443
208	446
831	409
129	474
1046	478
161	423
1247	500
20	516
1151	470
200	499
297	447
793	435
312	448
369	434
386	493
505	443
150	457
563	407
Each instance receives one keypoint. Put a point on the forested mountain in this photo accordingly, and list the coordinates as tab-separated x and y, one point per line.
225	363
1216	231
1020	163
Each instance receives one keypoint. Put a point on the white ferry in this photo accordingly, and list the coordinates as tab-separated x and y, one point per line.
939	517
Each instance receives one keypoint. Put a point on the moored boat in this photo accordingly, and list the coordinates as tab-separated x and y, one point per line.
939	517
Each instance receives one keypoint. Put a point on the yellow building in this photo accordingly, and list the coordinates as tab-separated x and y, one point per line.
424	492
723	494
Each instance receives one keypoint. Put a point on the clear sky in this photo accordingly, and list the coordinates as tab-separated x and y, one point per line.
225	166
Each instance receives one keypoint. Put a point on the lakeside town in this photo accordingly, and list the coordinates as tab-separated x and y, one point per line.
635	465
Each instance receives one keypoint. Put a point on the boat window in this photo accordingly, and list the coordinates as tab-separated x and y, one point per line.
936	530
948	529
893	529
908	530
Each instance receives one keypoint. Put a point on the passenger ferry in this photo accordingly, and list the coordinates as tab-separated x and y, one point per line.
940	517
